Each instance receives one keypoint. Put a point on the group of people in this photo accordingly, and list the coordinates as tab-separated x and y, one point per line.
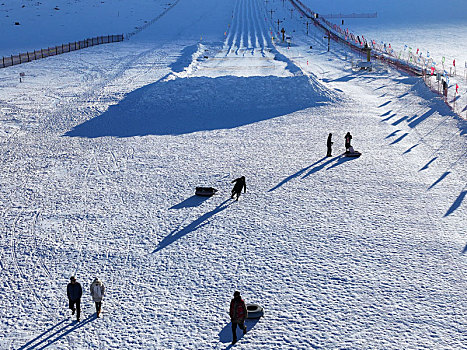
348	147
238	310
74	293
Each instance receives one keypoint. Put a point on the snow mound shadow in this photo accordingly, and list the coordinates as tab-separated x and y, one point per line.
180	106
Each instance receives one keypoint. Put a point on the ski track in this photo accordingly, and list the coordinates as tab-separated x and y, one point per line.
358	254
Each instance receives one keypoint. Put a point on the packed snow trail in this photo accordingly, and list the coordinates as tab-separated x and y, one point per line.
98	178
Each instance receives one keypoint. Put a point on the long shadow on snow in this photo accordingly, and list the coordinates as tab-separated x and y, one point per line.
338	160
225	335
298	173
441	178
457	203
191	202
200	222
51	338
179	106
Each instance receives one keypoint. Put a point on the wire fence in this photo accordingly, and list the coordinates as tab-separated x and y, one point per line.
407	60
147	24
12	60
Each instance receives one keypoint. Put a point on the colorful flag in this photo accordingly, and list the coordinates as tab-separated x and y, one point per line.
454	62
457	89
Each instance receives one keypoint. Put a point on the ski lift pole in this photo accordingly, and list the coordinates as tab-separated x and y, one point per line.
278	23
329	40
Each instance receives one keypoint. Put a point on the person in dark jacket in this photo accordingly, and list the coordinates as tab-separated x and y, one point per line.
348	138
329	144
239	185
74	292
238	314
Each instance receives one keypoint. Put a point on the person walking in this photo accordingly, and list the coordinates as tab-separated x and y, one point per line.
239	185
238	314
74	292
445	90
329	144
348	138
97	293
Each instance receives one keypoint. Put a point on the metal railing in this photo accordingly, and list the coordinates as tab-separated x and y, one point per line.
408	62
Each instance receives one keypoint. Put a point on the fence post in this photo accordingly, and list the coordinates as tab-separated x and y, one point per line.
3	61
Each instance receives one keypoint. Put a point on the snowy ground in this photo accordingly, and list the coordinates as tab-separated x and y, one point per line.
102	149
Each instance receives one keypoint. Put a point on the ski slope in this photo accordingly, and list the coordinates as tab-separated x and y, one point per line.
102	149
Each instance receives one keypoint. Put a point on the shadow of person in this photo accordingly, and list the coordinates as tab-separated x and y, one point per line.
342	160
298	173
191	202
457	203
225	335
200	222
58	334
47	333
322	165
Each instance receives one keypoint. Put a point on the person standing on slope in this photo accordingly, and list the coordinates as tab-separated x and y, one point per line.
348	138
74	292
97	293
329	144
239	185
238	314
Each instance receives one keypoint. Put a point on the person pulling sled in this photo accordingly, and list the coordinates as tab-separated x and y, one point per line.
239	185
238	314
349	151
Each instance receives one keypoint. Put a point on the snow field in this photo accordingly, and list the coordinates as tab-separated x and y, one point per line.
99	173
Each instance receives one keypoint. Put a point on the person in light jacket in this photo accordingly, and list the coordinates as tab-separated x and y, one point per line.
97	293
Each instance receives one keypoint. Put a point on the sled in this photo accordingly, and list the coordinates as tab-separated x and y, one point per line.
254	310
205	191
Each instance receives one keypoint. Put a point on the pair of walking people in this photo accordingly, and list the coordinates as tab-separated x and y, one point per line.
348	147
75	291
